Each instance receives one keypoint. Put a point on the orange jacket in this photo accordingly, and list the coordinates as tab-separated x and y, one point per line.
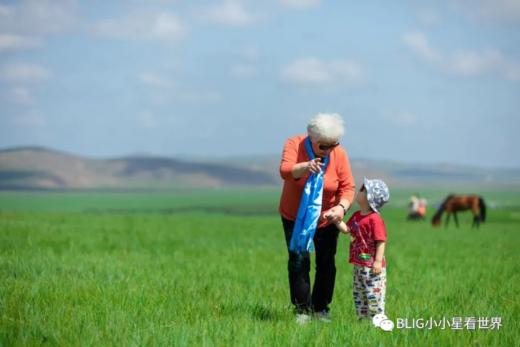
338	182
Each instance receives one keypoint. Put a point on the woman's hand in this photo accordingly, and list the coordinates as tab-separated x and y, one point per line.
334	214
314	165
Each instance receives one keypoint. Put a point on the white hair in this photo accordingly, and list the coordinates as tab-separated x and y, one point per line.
326	127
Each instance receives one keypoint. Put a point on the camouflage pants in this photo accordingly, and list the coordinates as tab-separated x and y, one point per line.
369	291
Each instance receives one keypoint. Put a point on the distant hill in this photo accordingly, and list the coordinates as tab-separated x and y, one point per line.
404	175
41	168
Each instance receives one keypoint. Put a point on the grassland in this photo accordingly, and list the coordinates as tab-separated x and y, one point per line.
209	268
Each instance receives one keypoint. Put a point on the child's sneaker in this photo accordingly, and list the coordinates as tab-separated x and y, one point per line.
302	318
323	316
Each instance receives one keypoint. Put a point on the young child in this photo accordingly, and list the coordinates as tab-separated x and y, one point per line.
367	248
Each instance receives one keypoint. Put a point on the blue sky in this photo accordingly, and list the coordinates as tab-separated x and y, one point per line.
415	81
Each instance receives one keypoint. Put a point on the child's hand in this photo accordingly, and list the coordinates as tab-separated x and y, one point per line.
327	215
334	214
377	267
342	226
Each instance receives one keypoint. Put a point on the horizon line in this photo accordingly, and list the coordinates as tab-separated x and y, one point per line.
241	156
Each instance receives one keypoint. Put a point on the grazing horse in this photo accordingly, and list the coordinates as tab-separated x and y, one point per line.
455	203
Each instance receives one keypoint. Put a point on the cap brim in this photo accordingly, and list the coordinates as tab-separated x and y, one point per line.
373	208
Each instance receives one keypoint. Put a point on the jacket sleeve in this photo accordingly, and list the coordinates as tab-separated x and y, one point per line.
289	157
346	185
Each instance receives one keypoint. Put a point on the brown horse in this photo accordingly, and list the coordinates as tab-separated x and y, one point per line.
455	203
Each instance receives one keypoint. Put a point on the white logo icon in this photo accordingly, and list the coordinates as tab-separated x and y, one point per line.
382	321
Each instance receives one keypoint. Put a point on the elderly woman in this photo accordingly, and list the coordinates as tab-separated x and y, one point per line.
317	191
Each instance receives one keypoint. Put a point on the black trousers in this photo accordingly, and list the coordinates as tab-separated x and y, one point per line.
325	244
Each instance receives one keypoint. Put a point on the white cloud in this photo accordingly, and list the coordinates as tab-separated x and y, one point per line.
10	42
314	71
496	11
165	91
512	71
147	119
155	80
5	10
38	17
487	61
160	26
243	71
31	120
199	97
428	17
401	117
250	53
347	69
300	3
475	63
229	13
464	62
418	42
25	73
20	95
308	70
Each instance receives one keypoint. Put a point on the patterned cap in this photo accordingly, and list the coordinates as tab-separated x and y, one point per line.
377	193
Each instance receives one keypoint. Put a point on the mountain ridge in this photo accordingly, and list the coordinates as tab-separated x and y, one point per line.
35	167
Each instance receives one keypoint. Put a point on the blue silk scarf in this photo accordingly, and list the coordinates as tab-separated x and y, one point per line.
310	208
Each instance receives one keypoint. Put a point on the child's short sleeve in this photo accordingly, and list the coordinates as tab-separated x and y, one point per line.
379	228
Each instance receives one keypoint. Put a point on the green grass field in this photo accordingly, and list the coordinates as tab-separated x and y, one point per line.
209	268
